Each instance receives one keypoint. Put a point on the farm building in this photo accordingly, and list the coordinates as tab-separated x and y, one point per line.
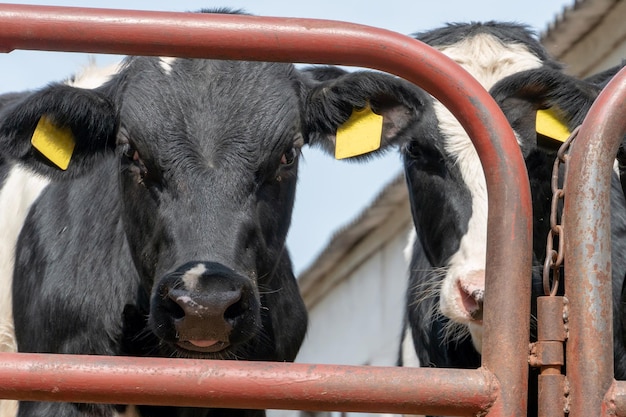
354	290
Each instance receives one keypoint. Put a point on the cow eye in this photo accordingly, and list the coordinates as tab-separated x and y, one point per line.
129	152
413	150
289	157
136	164
425	157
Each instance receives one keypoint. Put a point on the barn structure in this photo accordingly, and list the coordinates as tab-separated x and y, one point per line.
354	289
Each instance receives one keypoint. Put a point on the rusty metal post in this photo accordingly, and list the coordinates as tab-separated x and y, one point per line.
320	41
586	219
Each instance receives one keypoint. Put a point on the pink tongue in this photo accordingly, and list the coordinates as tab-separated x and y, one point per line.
203	343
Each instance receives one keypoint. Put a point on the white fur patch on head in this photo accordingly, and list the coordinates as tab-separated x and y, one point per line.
167	62
190	278
93	76
488	60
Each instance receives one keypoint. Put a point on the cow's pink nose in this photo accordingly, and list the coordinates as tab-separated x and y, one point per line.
473	302
472	290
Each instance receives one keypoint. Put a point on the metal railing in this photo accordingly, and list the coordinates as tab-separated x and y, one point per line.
499	387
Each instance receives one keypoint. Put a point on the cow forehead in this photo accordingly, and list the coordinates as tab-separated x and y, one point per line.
212	104
195	82
489	59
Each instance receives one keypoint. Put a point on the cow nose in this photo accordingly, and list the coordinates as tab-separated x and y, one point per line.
472	290
198	310
208	306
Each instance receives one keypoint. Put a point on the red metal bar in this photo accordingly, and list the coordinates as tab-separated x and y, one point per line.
321	41
210	383
586	219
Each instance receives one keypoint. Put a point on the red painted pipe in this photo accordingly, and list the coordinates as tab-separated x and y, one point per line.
322	41
256	385
586	218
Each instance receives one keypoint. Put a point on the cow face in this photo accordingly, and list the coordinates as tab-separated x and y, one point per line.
211	213
205	156
445	178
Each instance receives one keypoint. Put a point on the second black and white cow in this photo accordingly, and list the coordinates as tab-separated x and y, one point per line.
449	197
165	234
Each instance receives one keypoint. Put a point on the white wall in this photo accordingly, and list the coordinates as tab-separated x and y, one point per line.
359	321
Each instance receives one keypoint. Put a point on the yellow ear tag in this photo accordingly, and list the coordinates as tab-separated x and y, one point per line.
548	124
55	143
360	134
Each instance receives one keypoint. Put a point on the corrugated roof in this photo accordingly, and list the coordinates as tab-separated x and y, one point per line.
573	23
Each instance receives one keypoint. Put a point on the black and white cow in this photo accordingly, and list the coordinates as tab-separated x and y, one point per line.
165	235
449	198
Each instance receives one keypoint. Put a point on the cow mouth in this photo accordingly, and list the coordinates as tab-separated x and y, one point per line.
203	346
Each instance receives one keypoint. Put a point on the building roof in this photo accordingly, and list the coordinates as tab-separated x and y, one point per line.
574	23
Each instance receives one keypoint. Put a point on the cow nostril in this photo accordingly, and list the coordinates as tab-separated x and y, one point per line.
472	299
176	311
174	308
477	313
235	310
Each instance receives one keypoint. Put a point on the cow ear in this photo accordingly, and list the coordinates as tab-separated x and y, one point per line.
543	105
59	131
338	98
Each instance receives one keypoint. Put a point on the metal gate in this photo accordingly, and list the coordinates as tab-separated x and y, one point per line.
499	386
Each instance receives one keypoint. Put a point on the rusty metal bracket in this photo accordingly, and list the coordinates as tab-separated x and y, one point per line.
548	354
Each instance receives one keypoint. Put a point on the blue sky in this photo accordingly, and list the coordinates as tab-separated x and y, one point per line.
330	193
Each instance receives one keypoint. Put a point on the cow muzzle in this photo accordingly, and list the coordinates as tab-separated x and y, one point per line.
205	307
462	297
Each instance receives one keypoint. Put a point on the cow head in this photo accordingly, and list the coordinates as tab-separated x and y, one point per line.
446	181
206	155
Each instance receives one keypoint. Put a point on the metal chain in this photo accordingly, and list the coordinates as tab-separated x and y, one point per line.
554	258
